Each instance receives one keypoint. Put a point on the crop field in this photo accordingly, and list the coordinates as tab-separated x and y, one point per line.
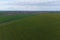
30	27
8	18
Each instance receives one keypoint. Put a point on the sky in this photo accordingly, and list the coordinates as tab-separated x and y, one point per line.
29	5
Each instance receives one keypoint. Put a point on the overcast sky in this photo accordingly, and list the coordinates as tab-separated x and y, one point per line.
30	5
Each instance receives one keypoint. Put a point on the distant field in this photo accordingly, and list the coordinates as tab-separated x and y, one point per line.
8	18
37	27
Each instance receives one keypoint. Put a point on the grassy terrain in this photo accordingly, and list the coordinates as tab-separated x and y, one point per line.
8	18
38	27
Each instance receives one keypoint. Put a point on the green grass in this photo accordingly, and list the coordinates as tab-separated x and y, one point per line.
8	18
38	27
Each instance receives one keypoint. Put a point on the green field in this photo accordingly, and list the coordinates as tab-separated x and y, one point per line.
8	18
30	27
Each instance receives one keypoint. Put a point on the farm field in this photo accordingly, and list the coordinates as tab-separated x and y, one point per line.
8	18
30	27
